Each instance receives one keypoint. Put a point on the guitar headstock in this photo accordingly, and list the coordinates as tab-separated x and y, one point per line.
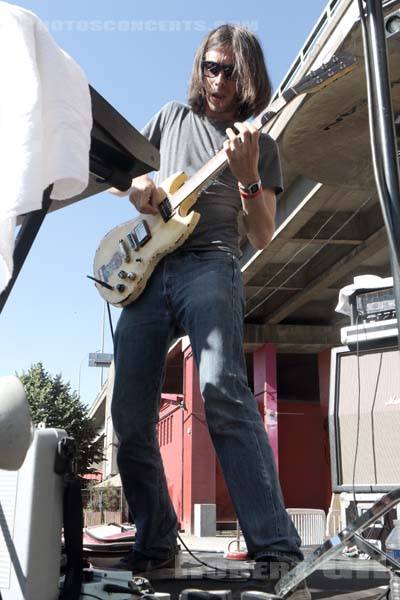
339	65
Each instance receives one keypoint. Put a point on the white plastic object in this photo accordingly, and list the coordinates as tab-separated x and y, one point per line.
31	505
16	429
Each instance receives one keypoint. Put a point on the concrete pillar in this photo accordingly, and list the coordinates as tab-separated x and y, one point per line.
265	391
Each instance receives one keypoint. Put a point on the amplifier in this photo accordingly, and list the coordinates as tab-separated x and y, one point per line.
372	305
364	419
374	332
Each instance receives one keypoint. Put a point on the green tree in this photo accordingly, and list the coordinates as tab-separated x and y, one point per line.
52	402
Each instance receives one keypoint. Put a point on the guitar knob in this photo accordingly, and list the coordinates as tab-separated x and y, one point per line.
131	276
122	275
121	287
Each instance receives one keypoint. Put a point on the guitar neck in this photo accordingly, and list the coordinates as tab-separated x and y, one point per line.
195	183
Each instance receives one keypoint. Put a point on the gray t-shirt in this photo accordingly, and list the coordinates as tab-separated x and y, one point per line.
186	142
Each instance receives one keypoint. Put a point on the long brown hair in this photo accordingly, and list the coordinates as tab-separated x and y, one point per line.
253	85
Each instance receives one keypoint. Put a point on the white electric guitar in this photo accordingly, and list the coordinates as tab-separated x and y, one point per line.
129	253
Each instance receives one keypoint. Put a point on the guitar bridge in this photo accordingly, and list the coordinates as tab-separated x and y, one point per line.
166	210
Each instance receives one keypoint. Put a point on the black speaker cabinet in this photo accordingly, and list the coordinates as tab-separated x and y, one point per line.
364	419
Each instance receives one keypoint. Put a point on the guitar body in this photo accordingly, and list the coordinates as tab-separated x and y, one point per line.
124	264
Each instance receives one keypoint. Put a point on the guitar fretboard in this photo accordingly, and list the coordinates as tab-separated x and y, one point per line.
195	183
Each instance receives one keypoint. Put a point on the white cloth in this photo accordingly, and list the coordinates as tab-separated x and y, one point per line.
45	123
363	282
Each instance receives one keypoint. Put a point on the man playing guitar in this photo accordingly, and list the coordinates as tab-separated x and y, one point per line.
197	290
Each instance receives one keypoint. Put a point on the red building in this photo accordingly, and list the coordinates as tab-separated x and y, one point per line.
292	404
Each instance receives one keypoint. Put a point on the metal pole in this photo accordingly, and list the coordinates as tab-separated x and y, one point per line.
79	376
383	133
102	342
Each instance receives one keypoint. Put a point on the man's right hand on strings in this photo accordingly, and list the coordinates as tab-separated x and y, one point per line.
144	195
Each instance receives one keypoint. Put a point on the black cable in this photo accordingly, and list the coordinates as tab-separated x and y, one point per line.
369	535
110	321
358	423
358	414
372	417
385	594
247	578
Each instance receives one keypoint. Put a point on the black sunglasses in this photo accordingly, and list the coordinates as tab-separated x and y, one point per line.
213	69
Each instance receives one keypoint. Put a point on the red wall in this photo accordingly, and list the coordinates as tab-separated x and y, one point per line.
225	510
170	440
199	455
193	473
301	457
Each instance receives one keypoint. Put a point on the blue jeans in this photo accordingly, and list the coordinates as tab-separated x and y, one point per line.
200	293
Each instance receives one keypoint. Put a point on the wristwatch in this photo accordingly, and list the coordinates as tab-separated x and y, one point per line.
251	189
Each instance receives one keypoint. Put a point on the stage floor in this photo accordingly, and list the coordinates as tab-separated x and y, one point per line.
346	578
343	577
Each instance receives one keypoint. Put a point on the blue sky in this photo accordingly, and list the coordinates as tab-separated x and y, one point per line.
138	55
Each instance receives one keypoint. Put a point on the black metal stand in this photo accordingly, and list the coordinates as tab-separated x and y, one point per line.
25	238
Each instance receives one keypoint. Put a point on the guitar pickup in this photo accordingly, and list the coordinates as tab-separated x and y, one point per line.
141	233
133	242
123	251
166	210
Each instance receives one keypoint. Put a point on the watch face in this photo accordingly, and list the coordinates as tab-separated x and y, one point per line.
253	189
